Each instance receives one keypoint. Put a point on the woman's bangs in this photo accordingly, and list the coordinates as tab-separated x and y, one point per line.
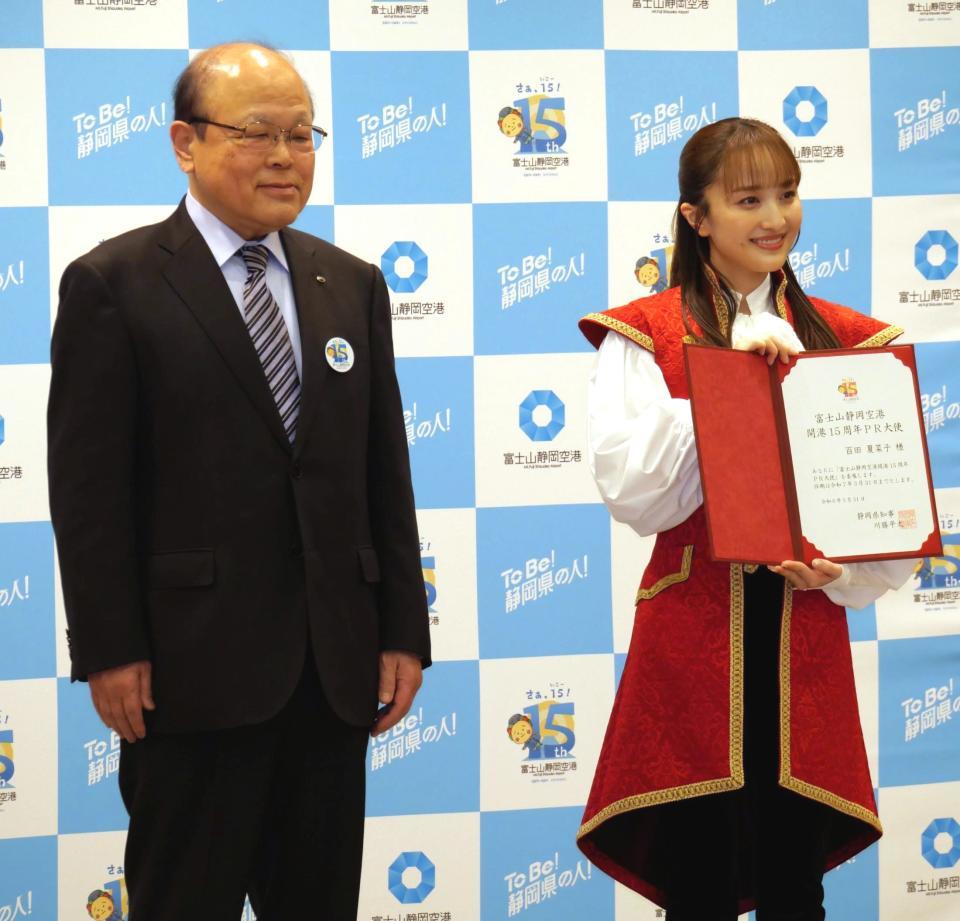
761	163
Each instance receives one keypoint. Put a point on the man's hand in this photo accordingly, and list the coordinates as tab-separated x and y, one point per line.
121	695
400	678
771	348
801	576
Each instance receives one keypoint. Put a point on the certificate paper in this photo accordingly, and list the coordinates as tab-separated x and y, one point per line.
821	457
856	443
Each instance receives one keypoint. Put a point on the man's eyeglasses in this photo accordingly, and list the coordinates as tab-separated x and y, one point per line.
263	136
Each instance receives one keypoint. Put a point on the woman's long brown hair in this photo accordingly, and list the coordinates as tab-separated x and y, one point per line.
737	152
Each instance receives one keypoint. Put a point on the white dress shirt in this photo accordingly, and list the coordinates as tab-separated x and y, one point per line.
224	243
643	455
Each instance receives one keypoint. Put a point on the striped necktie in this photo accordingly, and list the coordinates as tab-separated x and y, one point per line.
270	338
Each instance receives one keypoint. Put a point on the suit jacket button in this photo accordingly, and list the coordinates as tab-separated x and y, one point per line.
296	472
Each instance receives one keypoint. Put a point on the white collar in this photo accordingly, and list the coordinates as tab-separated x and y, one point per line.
760	299
223	240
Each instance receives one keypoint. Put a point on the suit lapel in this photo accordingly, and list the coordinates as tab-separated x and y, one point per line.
313	312
195	276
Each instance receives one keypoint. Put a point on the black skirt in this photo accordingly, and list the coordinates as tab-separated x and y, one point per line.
762	844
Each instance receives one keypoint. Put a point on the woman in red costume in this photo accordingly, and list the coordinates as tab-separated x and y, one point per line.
733	772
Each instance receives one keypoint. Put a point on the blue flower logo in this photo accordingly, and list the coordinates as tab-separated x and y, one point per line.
409	895
388	265
529	427
935	858
807	128
921	253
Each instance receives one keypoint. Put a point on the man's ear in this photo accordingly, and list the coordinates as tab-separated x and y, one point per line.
691	214
182	137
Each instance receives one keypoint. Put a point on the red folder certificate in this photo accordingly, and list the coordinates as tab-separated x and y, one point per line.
821	457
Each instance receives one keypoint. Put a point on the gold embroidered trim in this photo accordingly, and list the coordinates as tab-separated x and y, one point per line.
720	308
625	329
645	594
691	340
785	619
658	798
787	780
880	338
781	296
736	674
750	568
818	794
703	787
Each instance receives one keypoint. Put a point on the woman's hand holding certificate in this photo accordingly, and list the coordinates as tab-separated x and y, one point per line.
819	574
770	347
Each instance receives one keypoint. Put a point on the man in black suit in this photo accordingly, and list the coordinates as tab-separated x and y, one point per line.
230	492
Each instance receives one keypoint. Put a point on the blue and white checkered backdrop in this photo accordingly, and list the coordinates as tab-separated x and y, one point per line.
493	246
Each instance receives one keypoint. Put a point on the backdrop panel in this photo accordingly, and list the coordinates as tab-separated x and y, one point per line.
506	163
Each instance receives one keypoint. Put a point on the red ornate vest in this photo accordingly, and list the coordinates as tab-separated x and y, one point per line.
676	729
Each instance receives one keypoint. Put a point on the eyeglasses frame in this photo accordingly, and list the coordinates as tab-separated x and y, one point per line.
318	131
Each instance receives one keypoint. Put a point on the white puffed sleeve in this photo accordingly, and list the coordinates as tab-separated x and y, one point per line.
862	583
641	447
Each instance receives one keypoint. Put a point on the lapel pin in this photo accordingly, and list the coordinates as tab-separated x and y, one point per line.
321	280
339	354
